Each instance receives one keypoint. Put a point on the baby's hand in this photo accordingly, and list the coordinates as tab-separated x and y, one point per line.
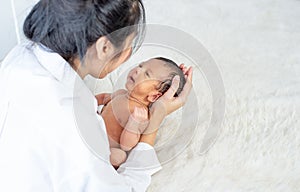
140	114
137	121
103	98
136	125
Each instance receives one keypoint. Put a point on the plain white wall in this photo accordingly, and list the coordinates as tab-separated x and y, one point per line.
12	15
8	37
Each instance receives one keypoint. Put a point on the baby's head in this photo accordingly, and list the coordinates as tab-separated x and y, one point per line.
153	78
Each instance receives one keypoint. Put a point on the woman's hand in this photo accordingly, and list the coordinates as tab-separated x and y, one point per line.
184	69
166	104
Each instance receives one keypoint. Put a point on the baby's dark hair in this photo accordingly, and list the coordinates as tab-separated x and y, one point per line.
175	70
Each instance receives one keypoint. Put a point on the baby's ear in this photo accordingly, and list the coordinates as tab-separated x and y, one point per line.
152	97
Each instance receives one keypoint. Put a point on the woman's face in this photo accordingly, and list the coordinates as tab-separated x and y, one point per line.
99	68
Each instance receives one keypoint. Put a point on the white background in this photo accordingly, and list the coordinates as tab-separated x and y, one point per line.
12	14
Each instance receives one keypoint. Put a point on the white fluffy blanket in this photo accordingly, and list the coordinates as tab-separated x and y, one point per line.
256	46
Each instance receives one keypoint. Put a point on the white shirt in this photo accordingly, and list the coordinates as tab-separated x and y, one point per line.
51	135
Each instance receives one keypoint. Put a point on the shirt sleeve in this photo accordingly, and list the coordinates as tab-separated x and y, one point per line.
142	162
134	175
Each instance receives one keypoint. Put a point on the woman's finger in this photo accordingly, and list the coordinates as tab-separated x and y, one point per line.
183	68
188	85
173	88
187	71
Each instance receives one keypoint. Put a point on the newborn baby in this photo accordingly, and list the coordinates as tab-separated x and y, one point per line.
145	84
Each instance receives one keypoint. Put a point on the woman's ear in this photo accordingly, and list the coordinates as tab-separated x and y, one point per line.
152	97
104	48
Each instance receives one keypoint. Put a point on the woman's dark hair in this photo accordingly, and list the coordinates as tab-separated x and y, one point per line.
70	27
166	84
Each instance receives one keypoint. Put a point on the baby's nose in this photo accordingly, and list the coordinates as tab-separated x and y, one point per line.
138	70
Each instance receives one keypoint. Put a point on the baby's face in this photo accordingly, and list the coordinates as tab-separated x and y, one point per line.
145	78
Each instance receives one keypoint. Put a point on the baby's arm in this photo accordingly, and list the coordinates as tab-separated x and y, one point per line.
136	124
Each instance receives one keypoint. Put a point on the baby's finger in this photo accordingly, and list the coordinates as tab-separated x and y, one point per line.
173	88
144	114
135	112
140	113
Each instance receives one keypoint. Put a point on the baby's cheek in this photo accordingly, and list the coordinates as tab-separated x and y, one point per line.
140	89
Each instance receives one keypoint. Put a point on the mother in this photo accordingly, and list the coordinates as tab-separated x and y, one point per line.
43	100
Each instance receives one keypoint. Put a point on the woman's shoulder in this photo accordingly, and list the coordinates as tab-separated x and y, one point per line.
20	54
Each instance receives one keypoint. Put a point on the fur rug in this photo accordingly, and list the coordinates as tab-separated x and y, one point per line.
256	47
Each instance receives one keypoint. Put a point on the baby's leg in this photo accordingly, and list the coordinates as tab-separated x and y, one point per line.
117	157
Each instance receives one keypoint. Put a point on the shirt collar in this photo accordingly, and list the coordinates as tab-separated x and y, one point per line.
51	61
